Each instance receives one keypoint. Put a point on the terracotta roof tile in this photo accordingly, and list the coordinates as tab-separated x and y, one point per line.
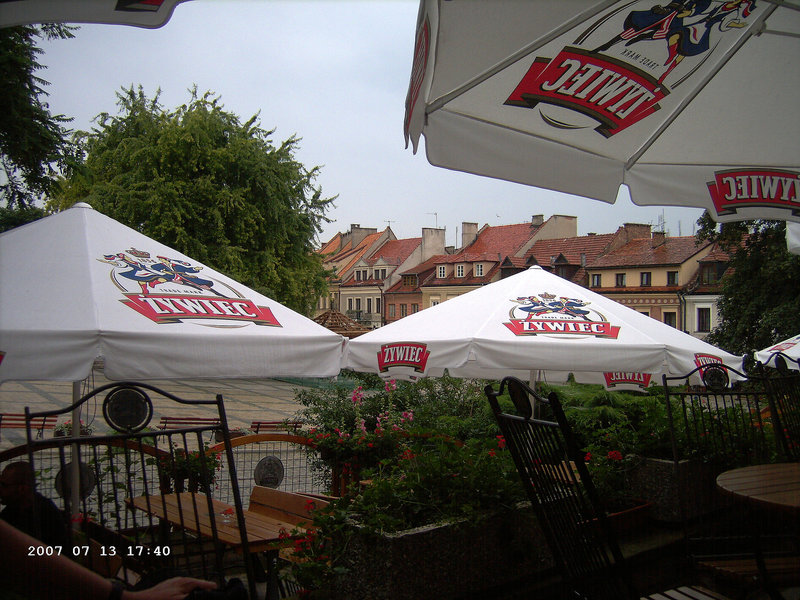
501	239
640	252
394	252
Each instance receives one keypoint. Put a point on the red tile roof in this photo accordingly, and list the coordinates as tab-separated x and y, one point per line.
501	239
394	252
640	252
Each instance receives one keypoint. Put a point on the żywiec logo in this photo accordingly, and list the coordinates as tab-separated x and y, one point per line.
738	188
615	94
702	360
547	314
403	354
618	68
168	290
615	379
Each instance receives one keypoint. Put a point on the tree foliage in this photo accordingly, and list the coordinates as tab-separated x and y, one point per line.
760	296
34	144
199	180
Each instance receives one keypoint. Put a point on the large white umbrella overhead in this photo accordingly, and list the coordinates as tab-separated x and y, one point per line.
79	285
788	348
685	103
140	13
533	322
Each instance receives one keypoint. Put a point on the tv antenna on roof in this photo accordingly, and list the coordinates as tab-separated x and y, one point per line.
436	217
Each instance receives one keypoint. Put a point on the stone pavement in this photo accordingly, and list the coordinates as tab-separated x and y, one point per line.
246	400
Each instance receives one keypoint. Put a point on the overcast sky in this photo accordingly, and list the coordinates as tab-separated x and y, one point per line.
333	73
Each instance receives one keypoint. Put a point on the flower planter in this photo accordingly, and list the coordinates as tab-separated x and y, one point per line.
443	561
667	487
84	432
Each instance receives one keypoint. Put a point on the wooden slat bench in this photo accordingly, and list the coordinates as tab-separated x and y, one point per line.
17	421
265	426
292	508
186	422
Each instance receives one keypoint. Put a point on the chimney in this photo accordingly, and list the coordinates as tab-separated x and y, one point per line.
537	220
359	233
658	238
469	232
432	242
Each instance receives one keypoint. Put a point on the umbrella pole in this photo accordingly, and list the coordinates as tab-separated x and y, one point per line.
75	473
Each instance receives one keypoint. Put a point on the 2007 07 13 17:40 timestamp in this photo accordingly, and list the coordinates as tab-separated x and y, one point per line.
133	550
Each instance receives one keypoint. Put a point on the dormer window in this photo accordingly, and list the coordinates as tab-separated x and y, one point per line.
441	272
479	270
459	270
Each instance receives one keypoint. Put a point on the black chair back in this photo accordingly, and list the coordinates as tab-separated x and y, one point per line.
783	387
563	496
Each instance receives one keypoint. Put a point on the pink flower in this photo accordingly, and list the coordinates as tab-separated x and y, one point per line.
390	385
358	395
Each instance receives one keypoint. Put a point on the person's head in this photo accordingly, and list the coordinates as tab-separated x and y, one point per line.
16	483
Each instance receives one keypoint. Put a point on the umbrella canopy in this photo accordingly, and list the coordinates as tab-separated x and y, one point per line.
141	13
532	321
79	285
789	348
687	103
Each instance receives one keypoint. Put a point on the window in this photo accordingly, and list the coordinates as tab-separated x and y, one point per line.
711	273
414	308
403	310
349	304
377	305
646	313
703	319
358	275
441	272
391	311
620	279
364	275
479	270
459	270
672	278
646	278
597	281
409	280
358	304
671	319
369	305
434	301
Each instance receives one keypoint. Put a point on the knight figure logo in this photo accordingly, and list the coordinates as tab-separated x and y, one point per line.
170	290
617	71
547	314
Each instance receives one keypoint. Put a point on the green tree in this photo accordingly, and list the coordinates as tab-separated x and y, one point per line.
34	144
760	297
201	181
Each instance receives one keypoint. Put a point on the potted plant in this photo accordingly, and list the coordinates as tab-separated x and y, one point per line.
181	467
65	429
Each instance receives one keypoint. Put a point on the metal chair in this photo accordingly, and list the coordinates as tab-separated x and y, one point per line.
715	428
783	387
558	484
96	481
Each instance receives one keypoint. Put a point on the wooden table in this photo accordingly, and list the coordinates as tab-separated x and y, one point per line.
766	489
190	510
774	487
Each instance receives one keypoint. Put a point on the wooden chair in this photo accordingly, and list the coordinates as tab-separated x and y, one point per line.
584	547
783	387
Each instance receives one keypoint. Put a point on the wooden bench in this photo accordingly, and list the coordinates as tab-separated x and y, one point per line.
265	426
290	507
17	421
186	422
783	570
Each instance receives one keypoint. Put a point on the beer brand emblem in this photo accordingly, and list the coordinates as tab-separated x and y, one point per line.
547	314
640	380
616	70
703	360
735	189
170	290
403	354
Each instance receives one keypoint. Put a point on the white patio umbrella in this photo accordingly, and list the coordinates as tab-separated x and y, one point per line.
140	13
533	325
685	103
79	285
788	348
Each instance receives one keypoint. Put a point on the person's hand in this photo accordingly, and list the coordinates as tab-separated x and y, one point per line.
176	588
